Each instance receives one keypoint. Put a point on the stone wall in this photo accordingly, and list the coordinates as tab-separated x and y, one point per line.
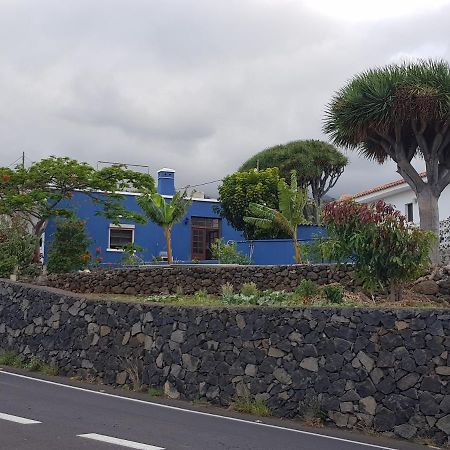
191	278
382	369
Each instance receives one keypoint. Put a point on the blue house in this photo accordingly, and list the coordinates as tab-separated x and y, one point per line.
191	238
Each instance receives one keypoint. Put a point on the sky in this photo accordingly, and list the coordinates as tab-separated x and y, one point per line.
195	85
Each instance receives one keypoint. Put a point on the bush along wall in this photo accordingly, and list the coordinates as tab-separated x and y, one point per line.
383	369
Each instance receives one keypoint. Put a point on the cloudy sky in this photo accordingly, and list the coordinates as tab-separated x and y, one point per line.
195	85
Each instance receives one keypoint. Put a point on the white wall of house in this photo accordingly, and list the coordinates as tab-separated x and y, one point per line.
402	195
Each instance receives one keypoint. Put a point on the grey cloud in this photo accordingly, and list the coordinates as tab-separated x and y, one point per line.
196	85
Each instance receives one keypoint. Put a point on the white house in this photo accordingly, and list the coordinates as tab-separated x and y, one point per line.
401	196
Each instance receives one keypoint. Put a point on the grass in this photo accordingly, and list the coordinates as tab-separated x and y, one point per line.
252	406
34	364
155	392
332	295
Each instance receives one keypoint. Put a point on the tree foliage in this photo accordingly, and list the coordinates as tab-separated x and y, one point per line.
318	164
39	192
165	214
239	190
387	253
17	247
399	112
69	250
288	217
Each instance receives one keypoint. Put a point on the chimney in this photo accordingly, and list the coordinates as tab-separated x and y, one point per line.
166	181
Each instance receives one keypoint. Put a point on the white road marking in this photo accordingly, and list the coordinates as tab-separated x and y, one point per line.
201	413
116	441
17	419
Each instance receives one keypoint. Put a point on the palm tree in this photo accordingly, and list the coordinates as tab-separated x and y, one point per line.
165	214
292	201
400	112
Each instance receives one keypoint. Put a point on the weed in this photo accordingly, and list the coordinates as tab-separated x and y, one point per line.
49	369
227	290
249	290
179	291
334	293
255	407
312	411
34	364
11	359
155	392
200	402
201	295
306	289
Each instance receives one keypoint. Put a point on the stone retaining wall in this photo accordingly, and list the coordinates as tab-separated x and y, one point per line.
191	278
382	369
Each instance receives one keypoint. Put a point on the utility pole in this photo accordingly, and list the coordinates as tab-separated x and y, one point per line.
23	160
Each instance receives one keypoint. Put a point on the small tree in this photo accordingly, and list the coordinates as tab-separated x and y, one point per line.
239	190
317	163
69	250
41	191
387	253
399	112
165	214
292	201
16	247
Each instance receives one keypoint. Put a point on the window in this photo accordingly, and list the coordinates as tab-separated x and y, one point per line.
119	236
205	231
409	212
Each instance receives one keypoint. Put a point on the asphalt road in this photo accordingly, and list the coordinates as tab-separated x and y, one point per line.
39	414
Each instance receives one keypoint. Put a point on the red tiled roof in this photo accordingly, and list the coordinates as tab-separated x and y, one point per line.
383	187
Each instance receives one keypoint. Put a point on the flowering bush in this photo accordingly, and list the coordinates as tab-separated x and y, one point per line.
387	252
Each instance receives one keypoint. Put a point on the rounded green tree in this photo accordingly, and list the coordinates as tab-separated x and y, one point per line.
318	165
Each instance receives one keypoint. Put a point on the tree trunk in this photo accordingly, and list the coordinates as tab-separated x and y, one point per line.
429	218
298	257
317	211
38	230
167	235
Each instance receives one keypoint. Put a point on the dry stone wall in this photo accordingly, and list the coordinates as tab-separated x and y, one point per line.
191	278
383	369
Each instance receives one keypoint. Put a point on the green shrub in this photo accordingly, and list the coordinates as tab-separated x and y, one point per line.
17	248
334	293
131	255
387	252
306	289
249	289
69	250
228	253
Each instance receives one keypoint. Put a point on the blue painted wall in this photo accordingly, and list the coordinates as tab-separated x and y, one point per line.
278	251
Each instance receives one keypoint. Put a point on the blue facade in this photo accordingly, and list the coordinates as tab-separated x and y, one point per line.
151	238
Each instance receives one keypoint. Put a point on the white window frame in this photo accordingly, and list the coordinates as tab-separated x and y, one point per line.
124	226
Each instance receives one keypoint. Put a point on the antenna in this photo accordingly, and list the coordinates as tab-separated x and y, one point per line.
124	164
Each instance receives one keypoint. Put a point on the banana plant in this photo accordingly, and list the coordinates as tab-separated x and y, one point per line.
292	201
165	214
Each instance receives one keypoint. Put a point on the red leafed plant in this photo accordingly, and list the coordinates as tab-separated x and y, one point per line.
386	250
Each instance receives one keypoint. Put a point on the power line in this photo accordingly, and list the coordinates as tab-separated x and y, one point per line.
202	184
